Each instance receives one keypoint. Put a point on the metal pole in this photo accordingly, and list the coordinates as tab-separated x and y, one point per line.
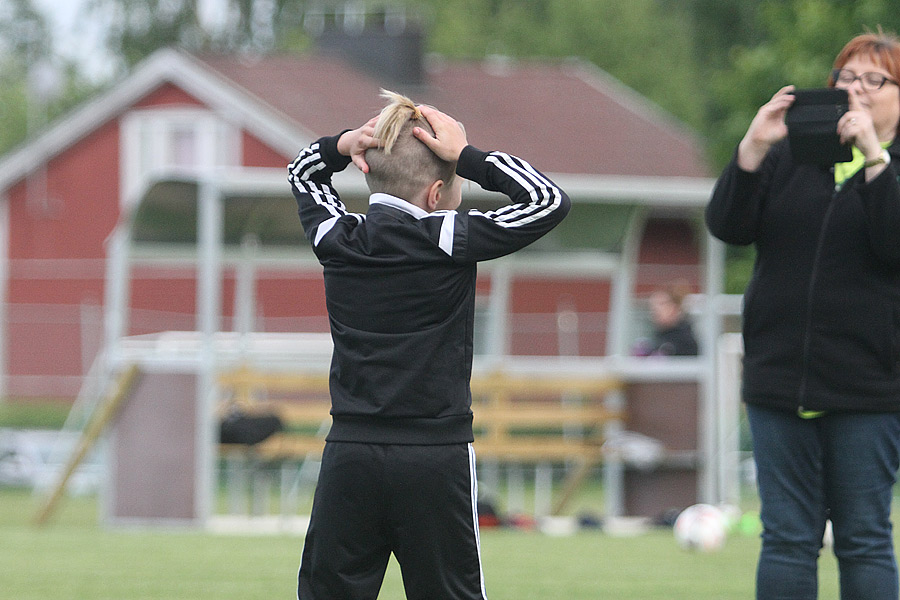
245	281
711	449
118	288
623	286
209	310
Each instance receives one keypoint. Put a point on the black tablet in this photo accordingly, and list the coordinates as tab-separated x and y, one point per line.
812	126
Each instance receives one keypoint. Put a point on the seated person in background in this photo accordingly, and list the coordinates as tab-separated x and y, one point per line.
673	334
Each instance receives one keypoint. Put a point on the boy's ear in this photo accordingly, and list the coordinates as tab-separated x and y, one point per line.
434	195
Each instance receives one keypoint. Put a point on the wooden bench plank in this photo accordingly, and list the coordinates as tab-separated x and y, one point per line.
503	406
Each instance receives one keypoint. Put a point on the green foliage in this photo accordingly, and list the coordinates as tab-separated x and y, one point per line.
247	26
148	25
23	40
740	261
23	30
13	117
28	100
796	44
33	414
617	36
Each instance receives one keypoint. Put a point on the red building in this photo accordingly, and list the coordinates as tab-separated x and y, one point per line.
634	173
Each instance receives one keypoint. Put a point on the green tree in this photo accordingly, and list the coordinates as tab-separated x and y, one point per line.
638	42
23	40
35	84
796	45
137	28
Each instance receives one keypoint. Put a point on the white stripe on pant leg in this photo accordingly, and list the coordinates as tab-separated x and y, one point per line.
474	493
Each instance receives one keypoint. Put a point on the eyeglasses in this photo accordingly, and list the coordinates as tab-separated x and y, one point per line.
870	81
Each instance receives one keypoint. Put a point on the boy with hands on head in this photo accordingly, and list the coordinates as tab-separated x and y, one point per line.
398	469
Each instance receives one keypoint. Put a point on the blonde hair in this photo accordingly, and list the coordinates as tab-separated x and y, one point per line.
402	165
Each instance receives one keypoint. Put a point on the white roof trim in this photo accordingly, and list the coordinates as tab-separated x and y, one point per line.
662	192
226	97
167	65
672	192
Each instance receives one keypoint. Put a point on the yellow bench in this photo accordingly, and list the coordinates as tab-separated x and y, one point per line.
517	418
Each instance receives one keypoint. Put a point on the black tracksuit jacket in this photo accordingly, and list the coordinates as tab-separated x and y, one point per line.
821	321
400	292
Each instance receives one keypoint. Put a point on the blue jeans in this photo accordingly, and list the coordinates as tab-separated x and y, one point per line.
842	467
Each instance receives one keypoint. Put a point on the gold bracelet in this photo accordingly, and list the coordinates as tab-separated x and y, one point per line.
883	159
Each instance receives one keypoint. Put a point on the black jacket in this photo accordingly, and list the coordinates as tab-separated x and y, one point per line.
821	319
400	292
677	340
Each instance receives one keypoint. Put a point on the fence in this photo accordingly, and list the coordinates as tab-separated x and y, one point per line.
52	346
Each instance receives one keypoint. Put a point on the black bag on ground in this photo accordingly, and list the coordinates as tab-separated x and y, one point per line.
242	428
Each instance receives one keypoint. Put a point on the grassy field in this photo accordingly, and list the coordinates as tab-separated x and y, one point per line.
75	558
47	414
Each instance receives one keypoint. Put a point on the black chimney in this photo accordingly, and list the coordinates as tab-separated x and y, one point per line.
384	44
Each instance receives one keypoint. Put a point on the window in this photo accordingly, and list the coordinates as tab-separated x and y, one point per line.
166	141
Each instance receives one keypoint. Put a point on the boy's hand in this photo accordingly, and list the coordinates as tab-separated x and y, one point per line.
449	137
355	143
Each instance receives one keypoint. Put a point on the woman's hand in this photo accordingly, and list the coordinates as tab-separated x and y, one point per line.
766	129
856	127
355	143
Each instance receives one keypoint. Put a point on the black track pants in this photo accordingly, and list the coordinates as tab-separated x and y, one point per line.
418	502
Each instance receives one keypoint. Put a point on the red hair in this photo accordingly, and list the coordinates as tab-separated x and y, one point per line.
881	48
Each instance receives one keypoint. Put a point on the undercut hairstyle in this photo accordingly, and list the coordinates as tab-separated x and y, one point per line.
402	166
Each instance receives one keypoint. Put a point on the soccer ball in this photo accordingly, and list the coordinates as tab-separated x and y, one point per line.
700	527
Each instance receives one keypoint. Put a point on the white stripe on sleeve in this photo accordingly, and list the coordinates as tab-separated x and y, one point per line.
448	226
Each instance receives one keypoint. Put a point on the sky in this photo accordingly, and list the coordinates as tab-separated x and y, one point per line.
75	37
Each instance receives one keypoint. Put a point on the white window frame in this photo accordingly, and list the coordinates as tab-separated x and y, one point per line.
147	152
